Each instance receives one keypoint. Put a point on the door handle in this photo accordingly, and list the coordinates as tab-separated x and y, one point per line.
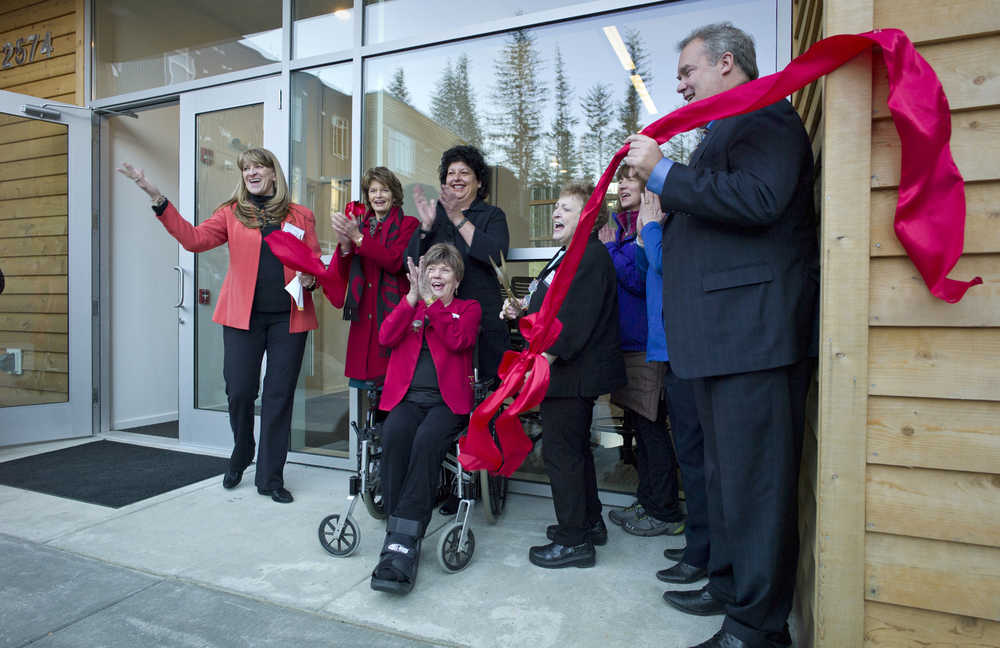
180	286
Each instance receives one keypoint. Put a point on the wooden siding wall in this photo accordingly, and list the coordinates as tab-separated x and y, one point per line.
807	28
33	210
932	543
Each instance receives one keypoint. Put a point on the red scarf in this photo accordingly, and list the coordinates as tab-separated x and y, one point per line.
930	214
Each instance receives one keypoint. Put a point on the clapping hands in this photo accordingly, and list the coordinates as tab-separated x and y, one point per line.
417	276
426	209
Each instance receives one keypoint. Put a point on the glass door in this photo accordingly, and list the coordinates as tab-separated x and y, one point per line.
216	125
46	306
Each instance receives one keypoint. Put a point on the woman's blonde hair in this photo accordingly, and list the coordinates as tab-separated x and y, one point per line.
276	208
447	254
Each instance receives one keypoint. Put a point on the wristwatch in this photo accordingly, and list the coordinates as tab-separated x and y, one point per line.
159	203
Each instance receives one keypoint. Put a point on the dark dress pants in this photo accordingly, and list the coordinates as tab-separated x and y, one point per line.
753	424
656	464
569	463
243	352
689	441
415	439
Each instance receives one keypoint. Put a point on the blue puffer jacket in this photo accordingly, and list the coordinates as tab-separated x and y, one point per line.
631	284
650	262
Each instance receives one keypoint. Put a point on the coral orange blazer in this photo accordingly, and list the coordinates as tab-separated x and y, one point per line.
236	296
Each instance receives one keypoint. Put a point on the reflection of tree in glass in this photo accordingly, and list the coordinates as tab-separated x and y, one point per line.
682	145
598	144
397	88
453	105
564	160
628	109
519	95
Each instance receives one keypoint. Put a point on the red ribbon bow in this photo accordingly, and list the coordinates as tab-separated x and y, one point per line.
930	214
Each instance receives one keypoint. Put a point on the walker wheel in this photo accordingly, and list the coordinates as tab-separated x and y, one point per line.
343	544
455	558
493	490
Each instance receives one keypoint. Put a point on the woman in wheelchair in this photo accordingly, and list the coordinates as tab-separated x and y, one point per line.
428	394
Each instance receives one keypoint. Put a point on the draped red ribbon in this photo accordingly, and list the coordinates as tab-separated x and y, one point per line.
930	214
296	255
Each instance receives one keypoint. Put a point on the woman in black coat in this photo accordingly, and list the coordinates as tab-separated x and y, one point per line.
586	361
479	231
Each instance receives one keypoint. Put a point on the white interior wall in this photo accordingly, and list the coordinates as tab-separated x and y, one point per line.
143	282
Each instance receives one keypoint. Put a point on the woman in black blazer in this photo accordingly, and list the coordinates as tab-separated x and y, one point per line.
586	361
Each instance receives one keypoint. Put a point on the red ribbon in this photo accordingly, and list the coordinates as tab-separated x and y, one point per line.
930	214
296	255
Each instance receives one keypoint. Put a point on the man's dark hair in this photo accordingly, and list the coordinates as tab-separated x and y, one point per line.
720	38
471	156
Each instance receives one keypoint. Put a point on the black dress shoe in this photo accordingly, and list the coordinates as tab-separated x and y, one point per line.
232	479
677	555
597	534
277	494
681	573
699	602
555	555
723	639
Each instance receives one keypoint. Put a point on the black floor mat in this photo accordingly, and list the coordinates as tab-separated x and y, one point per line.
109	473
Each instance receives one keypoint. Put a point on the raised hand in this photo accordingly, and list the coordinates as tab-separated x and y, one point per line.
649	209
413	276
606	234
452	205
139	177
426	209
341	225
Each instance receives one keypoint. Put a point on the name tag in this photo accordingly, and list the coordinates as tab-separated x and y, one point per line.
294	230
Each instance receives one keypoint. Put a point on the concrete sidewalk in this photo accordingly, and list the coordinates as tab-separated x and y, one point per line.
203	566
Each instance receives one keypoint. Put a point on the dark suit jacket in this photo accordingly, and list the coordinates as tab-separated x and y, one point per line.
480	281
740	264
451	337
589	359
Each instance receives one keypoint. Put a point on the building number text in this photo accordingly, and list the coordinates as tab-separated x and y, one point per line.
25	50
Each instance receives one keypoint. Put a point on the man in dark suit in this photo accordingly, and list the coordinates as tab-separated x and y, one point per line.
740	283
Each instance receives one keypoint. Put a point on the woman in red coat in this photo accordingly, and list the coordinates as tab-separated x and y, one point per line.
369	258
428	394
256	312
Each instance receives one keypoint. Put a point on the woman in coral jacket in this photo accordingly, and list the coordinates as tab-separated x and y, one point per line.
369	259
256	312
428	394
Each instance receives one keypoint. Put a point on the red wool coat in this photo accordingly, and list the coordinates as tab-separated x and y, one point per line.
451	337
384	278
236	296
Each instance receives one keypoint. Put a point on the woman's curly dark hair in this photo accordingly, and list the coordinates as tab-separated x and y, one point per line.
471	156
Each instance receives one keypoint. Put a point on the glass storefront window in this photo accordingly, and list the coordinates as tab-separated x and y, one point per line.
320	178
546	105
140	45
322	26
390	20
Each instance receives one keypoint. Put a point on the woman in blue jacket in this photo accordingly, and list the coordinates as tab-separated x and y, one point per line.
692	560
656	510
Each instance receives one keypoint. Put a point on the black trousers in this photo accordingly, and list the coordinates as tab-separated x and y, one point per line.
753	425
569	463
689	441
415	440
656	464
243	352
